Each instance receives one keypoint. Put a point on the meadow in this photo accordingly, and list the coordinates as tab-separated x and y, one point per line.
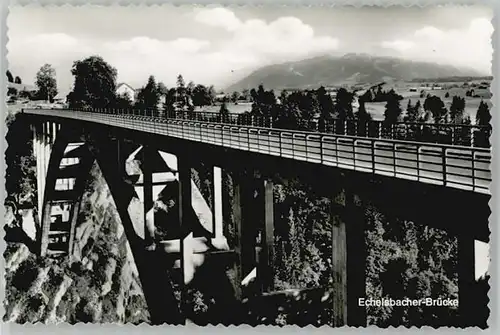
377	109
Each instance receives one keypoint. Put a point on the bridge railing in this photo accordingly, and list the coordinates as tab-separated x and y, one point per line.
449	165
442	133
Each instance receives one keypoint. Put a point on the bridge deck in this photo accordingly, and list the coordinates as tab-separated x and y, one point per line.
452	166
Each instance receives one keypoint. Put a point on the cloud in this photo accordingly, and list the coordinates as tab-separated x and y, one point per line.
469	47
256	41
399	45
217	59
26	54
218	17
149	46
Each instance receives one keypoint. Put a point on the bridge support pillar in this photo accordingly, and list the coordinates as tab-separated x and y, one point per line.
348	261
185	207
238	223
147	173
37	152
217	203
466	281
43	138
265	270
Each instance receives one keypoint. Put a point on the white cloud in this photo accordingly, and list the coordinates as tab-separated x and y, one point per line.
255	42
218	17
399	45
469	47
220	59
26	54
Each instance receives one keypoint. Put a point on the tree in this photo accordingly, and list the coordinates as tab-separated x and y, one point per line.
363	118
25	94
436	106
201	96
413	112
18	80
326	107
447	95
392	110
264	102
46	82
245	94
180	82
170	100
362	115
343	104
182	96
223	111
162	89
149	95
483	115
189	88
11	91
212	94
94	85
457	110
235	96
20	173
10	78
123	101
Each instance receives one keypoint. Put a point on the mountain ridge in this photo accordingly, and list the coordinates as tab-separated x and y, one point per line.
351	68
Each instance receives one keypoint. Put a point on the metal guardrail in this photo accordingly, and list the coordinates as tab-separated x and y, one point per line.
452	166
452	134
442	133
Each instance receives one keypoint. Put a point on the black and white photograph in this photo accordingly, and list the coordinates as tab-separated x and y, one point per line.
248	165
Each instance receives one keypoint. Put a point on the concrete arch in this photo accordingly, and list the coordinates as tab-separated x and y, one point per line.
64	144
162	304
155	268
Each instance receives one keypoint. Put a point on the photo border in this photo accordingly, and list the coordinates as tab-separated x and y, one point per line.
145	329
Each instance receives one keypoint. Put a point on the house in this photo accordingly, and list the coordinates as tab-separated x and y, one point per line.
124	88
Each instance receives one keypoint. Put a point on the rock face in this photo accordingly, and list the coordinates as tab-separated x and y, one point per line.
99	284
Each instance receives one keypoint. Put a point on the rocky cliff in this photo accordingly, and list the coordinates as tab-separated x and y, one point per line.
99	284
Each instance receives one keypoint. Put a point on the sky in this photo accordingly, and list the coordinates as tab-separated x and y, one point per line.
220	45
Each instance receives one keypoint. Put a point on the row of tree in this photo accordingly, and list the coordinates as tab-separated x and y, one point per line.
45	82
11	79
95	87
297	109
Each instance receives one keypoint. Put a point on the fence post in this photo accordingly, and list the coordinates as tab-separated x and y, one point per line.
373	155
443	152
473	172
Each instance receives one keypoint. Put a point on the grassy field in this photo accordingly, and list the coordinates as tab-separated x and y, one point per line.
233	108
376	109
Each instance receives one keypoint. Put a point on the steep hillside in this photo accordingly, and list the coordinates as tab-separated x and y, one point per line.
100	285
348	69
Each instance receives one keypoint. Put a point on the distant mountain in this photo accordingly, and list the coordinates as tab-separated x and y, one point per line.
347	69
